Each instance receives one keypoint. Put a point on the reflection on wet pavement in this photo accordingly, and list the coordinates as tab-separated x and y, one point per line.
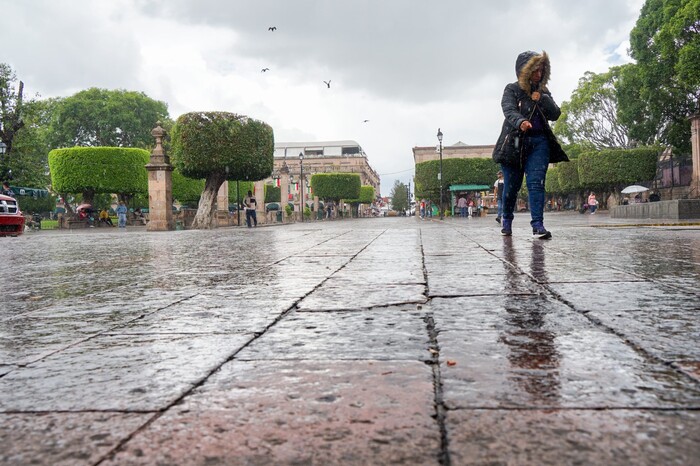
347	341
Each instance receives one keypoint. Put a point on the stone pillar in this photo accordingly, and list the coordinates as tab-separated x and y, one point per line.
284	189
222	215
160	186
260	201
695	144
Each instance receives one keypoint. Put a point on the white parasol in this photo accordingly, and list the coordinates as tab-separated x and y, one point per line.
635	188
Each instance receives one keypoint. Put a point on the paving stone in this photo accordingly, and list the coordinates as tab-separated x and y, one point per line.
301	412
63	439
536	368
340	294
521	312
573	437
132	372
382	334
669	335
625	296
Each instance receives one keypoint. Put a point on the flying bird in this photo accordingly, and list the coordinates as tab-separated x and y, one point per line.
264	69
272	28
328	83
365	121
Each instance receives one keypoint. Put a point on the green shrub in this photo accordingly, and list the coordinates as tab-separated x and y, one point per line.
454	171
611	168
336	186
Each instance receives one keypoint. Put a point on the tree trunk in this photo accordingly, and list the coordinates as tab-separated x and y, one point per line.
204	219
89	197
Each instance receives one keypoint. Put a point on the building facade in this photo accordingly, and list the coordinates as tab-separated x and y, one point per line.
325	157
459	150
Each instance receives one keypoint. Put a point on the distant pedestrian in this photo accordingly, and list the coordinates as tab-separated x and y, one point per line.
527	145
121	214
592	202
104	218
422	208
251	217
470	208
498	193
462	204
6	190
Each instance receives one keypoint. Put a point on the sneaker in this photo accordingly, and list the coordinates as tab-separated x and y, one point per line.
539	231
498	219
506	230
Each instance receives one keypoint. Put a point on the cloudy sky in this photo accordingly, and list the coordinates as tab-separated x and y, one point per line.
407	66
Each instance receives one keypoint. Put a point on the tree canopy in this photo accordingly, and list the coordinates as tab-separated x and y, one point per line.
663	88
455	171
591	116
103	117
611	169
93	170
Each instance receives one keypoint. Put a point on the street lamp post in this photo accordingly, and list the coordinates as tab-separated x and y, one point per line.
439	136
301	183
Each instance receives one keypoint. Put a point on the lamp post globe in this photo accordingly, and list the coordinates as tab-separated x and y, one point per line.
439	136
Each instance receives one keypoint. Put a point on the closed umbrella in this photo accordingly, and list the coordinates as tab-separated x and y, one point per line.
635	188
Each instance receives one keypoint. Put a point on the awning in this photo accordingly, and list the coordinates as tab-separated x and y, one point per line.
33	192
470	187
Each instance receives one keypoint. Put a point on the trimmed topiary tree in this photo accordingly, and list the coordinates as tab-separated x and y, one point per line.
454	171
551	183
220	146
336	186
612	169
272	193
92	170
366	197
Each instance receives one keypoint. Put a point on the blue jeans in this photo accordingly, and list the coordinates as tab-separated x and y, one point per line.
535	169
462	212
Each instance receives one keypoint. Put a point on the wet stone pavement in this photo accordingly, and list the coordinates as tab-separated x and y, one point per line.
372	341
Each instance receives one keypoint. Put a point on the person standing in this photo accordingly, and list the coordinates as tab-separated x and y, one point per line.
527	144
462	204
121	214
250	210
592	202
498	193
470	208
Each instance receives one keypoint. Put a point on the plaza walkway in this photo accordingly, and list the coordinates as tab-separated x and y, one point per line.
371	341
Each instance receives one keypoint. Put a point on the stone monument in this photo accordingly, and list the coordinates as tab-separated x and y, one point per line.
160	186
695	144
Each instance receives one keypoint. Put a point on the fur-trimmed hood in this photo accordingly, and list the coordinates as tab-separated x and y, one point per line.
526	63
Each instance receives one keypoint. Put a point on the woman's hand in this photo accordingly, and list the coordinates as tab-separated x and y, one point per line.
535	96
525	125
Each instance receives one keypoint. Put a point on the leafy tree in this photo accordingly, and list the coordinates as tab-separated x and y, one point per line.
591	116
10	106
102	117
93	170
399	196
336	186
665	42
220	146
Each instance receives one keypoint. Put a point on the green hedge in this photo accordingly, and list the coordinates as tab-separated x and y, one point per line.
366	196
611	168
454	171
568	176
99	169
551	183
336	186
272	193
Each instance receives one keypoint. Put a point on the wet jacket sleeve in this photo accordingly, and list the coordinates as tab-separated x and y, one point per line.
509	105
549	108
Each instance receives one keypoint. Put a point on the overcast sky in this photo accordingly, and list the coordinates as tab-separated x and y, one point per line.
407	66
